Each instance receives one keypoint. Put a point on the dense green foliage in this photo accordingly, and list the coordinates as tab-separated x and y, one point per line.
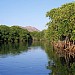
61	27
62	22
38	35
13	34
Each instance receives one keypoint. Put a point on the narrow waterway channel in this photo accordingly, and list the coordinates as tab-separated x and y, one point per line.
36	58
21	59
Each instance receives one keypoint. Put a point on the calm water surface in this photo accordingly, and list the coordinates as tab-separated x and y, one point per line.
21	59
34	59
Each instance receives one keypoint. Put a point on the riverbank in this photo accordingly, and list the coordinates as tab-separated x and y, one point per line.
64	48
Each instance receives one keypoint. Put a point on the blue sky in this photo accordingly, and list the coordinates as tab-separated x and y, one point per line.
27	12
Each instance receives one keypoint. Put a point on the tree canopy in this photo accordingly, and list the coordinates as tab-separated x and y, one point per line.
62	22
14	34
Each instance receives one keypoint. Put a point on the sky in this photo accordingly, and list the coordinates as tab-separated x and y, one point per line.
27	12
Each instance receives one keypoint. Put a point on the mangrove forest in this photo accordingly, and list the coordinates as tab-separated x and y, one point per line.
14	34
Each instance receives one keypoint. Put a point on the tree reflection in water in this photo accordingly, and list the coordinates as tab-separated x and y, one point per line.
59	63
13	48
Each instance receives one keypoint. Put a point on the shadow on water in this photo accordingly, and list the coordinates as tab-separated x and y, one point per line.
59	63
17	48
13	48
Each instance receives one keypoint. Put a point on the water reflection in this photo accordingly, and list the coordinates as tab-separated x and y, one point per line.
60	64
12	48
25	60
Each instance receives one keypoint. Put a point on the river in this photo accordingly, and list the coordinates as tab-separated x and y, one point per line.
36	58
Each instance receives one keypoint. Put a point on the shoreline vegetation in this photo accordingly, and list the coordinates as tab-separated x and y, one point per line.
18	34
60	31
61	28
14	34
58	40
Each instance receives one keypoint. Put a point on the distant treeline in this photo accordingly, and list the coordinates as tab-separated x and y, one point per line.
14	34
38	36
